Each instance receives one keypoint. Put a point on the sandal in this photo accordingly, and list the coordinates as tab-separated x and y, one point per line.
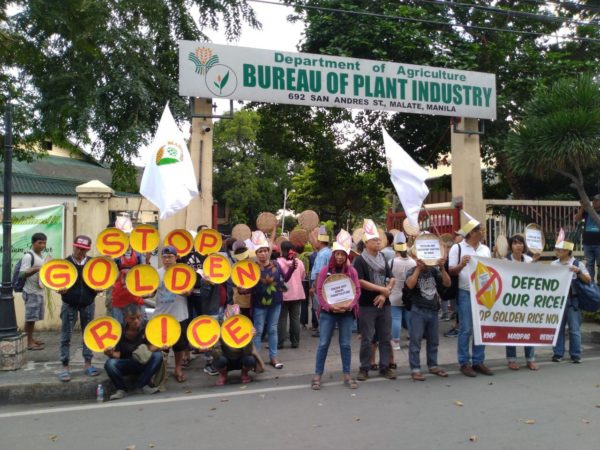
351	383
417	376
35	346
531	365
186	362
277	364
91	371
64	376
180	377
393	366
512	365
439	372
315	384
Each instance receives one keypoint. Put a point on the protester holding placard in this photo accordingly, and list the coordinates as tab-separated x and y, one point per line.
423	282
572	314
399	266
241	253
459	256
175	305
518	253
292	297
134	356
376	282
319	239
33	291
121	297
340	312
78	300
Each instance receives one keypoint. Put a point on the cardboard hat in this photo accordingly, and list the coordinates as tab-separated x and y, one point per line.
400	242
343	242
323	236
471	224
259	240
370	230
563	244
123	223
250	247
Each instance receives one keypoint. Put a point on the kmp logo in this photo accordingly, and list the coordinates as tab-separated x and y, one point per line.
220	79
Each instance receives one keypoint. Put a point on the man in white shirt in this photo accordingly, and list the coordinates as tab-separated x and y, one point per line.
458	258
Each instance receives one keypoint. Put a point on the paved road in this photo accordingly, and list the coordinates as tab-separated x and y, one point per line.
556	408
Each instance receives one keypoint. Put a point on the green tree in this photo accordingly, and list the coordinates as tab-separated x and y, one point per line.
560	134
246	179
98	73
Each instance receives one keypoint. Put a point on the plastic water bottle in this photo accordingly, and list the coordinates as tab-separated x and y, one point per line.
100	393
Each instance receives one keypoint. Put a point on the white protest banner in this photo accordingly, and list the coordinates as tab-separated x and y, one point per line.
517	303
239	73
338	288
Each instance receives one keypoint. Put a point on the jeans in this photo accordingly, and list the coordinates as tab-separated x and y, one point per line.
270	317
375	319
116	369
400	317
68	316
328	321
290	308
572	317
511	353
424	324
465	332
591	253
246	362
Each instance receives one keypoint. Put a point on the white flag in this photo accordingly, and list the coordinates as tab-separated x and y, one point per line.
169	180
407	176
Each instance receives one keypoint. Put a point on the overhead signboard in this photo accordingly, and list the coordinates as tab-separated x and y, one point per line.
240	73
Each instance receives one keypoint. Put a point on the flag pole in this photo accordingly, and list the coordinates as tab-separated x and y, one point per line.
435	228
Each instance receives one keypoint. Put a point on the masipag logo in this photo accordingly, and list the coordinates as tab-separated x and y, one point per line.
221	80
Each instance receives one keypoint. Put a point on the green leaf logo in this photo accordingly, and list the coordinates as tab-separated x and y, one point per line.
221	82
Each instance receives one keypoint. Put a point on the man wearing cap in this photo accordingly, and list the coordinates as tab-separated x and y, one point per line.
321	246
458	258
591	237
376	284
78	300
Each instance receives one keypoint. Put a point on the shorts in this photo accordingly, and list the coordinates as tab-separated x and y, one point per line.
34	307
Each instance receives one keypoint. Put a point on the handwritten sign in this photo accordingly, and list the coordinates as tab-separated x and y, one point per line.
100	273
203	332
144	239
338	289
112	242
428	248
534	238
182	240
102	333
163	330
142	280
58	274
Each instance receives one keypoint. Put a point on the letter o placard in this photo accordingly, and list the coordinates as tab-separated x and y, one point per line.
102	333
208	241
216	268
245	274
182	240
203	332
142	280
163	330
180	278
100	273
237	331
112	242
58	274
144	239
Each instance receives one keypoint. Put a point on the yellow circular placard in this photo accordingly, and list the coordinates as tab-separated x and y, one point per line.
163	330
182	240
102	333
179	278
100	273
208	241
236	331
142	280
112	242
216	268
245	274
203	332
58	274
144	239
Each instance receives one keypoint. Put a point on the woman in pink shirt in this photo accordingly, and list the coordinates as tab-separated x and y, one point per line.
292	298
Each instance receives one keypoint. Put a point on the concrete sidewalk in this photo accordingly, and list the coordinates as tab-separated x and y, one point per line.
37	382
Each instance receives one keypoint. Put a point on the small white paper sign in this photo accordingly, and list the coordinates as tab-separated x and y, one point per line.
338	290
428	249
533	238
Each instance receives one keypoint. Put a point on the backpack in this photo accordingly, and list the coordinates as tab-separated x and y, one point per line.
451	292
18	280
587	294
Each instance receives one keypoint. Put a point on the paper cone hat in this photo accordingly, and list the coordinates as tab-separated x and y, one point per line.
370	230
471	224
259	240
343	241
561	243
323	236
400	242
